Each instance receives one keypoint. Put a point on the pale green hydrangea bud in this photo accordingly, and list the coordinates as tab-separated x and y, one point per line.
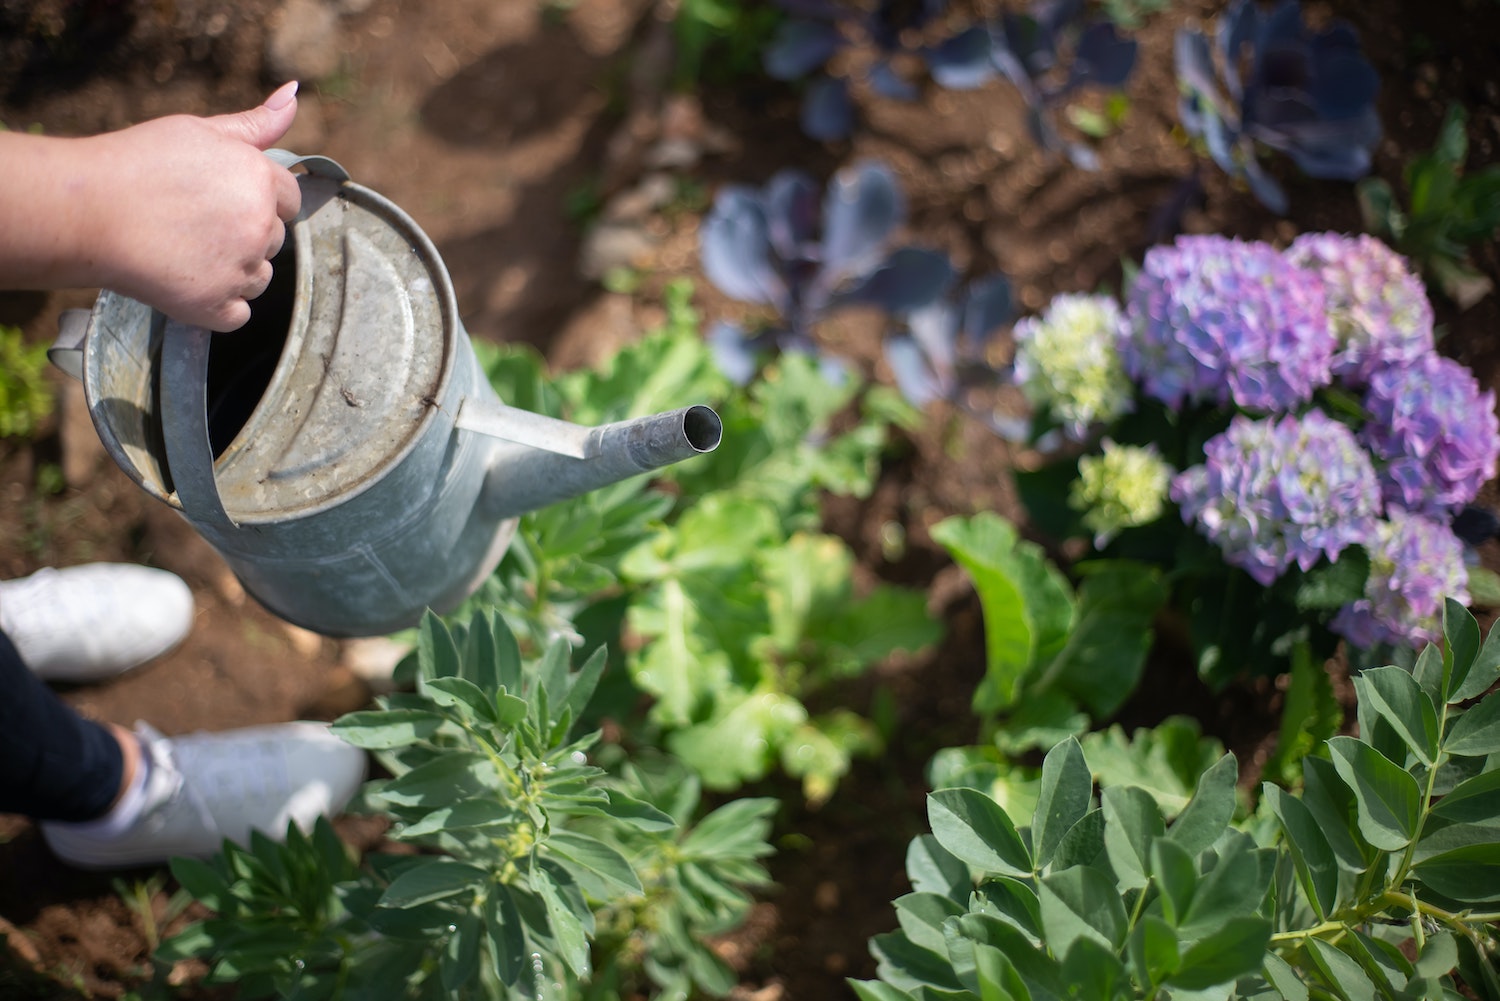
1124	486
1068	361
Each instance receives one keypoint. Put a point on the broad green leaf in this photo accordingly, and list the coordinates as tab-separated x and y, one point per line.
1340	971
1095	971
737	744
460	961
1310	714
1166	760
1333	806
383	729
1101	661
933	869
1233	887
1083	844
1235	949
1383	964
432	880
464	815
1176	876
567	915
876	990
1463	645
1439	955
456	692
444	780
595	858
1027	604
1282	977
1484	673
1387	796
997	977
204	882
1154	951
1081	902
909	966
1477	731
1400	701
1210	810
436	651
1317	869
637	813
921	916
1041	973
1066	790
1469	875
1010	900
1473	801
1131	822
975	829
509	709
736	830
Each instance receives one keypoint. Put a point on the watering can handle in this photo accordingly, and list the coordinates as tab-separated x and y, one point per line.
184	420
321	166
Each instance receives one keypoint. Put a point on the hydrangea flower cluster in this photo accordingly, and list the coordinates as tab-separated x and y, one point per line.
1376	304
1225	321
1436	432
1279	491
1122	487
1415	563
1068	362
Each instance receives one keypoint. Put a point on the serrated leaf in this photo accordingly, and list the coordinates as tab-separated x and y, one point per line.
975	829
1477	731
1401	701
1081	902
1066	791
1387	796
1317	869
1131	822
1210	810
432	880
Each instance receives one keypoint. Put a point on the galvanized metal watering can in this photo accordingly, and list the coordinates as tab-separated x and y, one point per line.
343	451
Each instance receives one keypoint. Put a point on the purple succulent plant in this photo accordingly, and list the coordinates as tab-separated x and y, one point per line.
1377	305
1224	321
1435	433
1281	491
1415	562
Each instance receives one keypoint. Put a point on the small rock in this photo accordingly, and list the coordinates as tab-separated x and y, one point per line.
610	245
303	41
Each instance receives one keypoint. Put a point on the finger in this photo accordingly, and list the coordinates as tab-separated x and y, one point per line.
278	240
260	280
232	316
263	126
288	195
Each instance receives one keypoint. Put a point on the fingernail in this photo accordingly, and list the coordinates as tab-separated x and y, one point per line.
283	96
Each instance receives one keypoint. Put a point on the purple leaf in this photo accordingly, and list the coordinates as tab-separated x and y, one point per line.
799	47
887	83
733	352
862	208
914	378
827	111
912	277
792	207
1102	57
962	62
736	249
987	308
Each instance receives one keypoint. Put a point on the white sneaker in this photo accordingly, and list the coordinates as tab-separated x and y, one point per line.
204	787
94	621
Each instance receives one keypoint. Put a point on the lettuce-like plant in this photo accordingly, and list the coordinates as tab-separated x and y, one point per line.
520	841
1381	878
1268	81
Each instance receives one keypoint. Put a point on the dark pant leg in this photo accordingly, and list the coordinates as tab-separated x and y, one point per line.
54	764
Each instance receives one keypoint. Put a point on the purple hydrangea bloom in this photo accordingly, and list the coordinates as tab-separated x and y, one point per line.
1436	433
1378	308
1415	563
1224	321
1279	491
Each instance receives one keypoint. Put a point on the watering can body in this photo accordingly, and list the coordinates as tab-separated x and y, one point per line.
344	452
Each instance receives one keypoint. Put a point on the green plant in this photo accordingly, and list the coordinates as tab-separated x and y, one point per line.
1449	211
515	833
25	394
719	41
731	606
1380	879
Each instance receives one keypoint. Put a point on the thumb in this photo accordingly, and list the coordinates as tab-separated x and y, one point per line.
261	127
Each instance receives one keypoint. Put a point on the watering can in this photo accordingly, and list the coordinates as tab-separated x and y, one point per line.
343	452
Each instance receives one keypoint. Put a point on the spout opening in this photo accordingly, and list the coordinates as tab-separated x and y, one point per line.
703	428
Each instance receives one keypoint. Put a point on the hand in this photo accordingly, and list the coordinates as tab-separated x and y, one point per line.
182	213
191	210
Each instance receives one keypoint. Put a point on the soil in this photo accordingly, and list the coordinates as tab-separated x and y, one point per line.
498	124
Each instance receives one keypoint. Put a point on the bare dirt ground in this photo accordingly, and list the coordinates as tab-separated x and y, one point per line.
492	122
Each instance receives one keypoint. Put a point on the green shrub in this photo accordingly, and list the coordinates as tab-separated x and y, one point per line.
25	394
1380	878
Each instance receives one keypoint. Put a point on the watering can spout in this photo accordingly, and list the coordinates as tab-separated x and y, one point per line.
544	460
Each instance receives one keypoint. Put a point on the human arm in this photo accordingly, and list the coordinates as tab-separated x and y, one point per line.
182	213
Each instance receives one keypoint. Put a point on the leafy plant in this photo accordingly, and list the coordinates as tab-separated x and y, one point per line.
732	607
817	30
803	256
1378	880
1278	85
1047	54
25	394
1449	211
720	40
520	842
